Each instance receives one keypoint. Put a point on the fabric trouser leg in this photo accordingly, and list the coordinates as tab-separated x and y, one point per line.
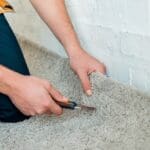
11	57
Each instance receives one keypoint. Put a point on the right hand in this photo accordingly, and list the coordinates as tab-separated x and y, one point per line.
34	96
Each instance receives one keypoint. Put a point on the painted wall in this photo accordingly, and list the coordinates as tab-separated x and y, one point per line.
116	32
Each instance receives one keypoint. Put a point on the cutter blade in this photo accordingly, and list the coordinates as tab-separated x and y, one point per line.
85	107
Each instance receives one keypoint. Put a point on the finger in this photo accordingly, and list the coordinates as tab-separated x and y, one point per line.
57	95
102	69
48	112
85	83
55	108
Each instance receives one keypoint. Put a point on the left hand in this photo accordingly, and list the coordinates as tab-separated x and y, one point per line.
83	64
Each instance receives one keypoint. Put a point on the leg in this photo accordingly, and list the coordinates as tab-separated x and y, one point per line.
11	57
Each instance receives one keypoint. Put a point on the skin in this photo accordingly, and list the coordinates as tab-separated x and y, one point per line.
40	97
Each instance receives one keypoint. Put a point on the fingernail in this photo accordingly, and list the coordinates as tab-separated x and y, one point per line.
89	92
65	99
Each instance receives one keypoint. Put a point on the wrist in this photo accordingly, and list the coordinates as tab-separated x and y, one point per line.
75	52
8	80
4	81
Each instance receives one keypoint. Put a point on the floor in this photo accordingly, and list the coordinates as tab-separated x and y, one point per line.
121	121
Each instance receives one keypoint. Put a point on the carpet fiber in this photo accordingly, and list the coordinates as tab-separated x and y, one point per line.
121	121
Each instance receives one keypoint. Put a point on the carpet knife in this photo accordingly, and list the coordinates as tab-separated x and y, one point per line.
73	105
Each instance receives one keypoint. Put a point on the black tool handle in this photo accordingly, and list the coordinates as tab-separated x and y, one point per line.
69	105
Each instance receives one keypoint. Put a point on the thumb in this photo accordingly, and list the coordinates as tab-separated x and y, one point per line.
85	81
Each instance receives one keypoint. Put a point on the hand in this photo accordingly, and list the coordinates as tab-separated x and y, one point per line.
83	64
34	96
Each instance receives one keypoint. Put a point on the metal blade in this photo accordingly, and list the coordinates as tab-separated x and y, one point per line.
85	107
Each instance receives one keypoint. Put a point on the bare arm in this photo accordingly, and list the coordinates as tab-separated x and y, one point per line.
54	14
31	95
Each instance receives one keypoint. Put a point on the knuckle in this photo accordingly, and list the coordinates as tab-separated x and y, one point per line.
40	111
46	104
32	113
59	112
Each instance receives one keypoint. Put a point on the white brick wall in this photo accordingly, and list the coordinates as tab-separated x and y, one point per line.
115	31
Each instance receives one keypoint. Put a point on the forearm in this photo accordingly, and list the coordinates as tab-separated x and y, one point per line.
55	15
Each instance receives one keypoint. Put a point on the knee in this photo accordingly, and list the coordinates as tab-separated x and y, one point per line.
12	116
8	112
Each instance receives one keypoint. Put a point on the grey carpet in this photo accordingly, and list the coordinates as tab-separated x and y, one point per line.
121	122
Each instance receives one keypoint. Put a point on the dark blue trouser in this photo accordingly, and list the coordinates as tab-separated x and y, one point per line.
11	57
